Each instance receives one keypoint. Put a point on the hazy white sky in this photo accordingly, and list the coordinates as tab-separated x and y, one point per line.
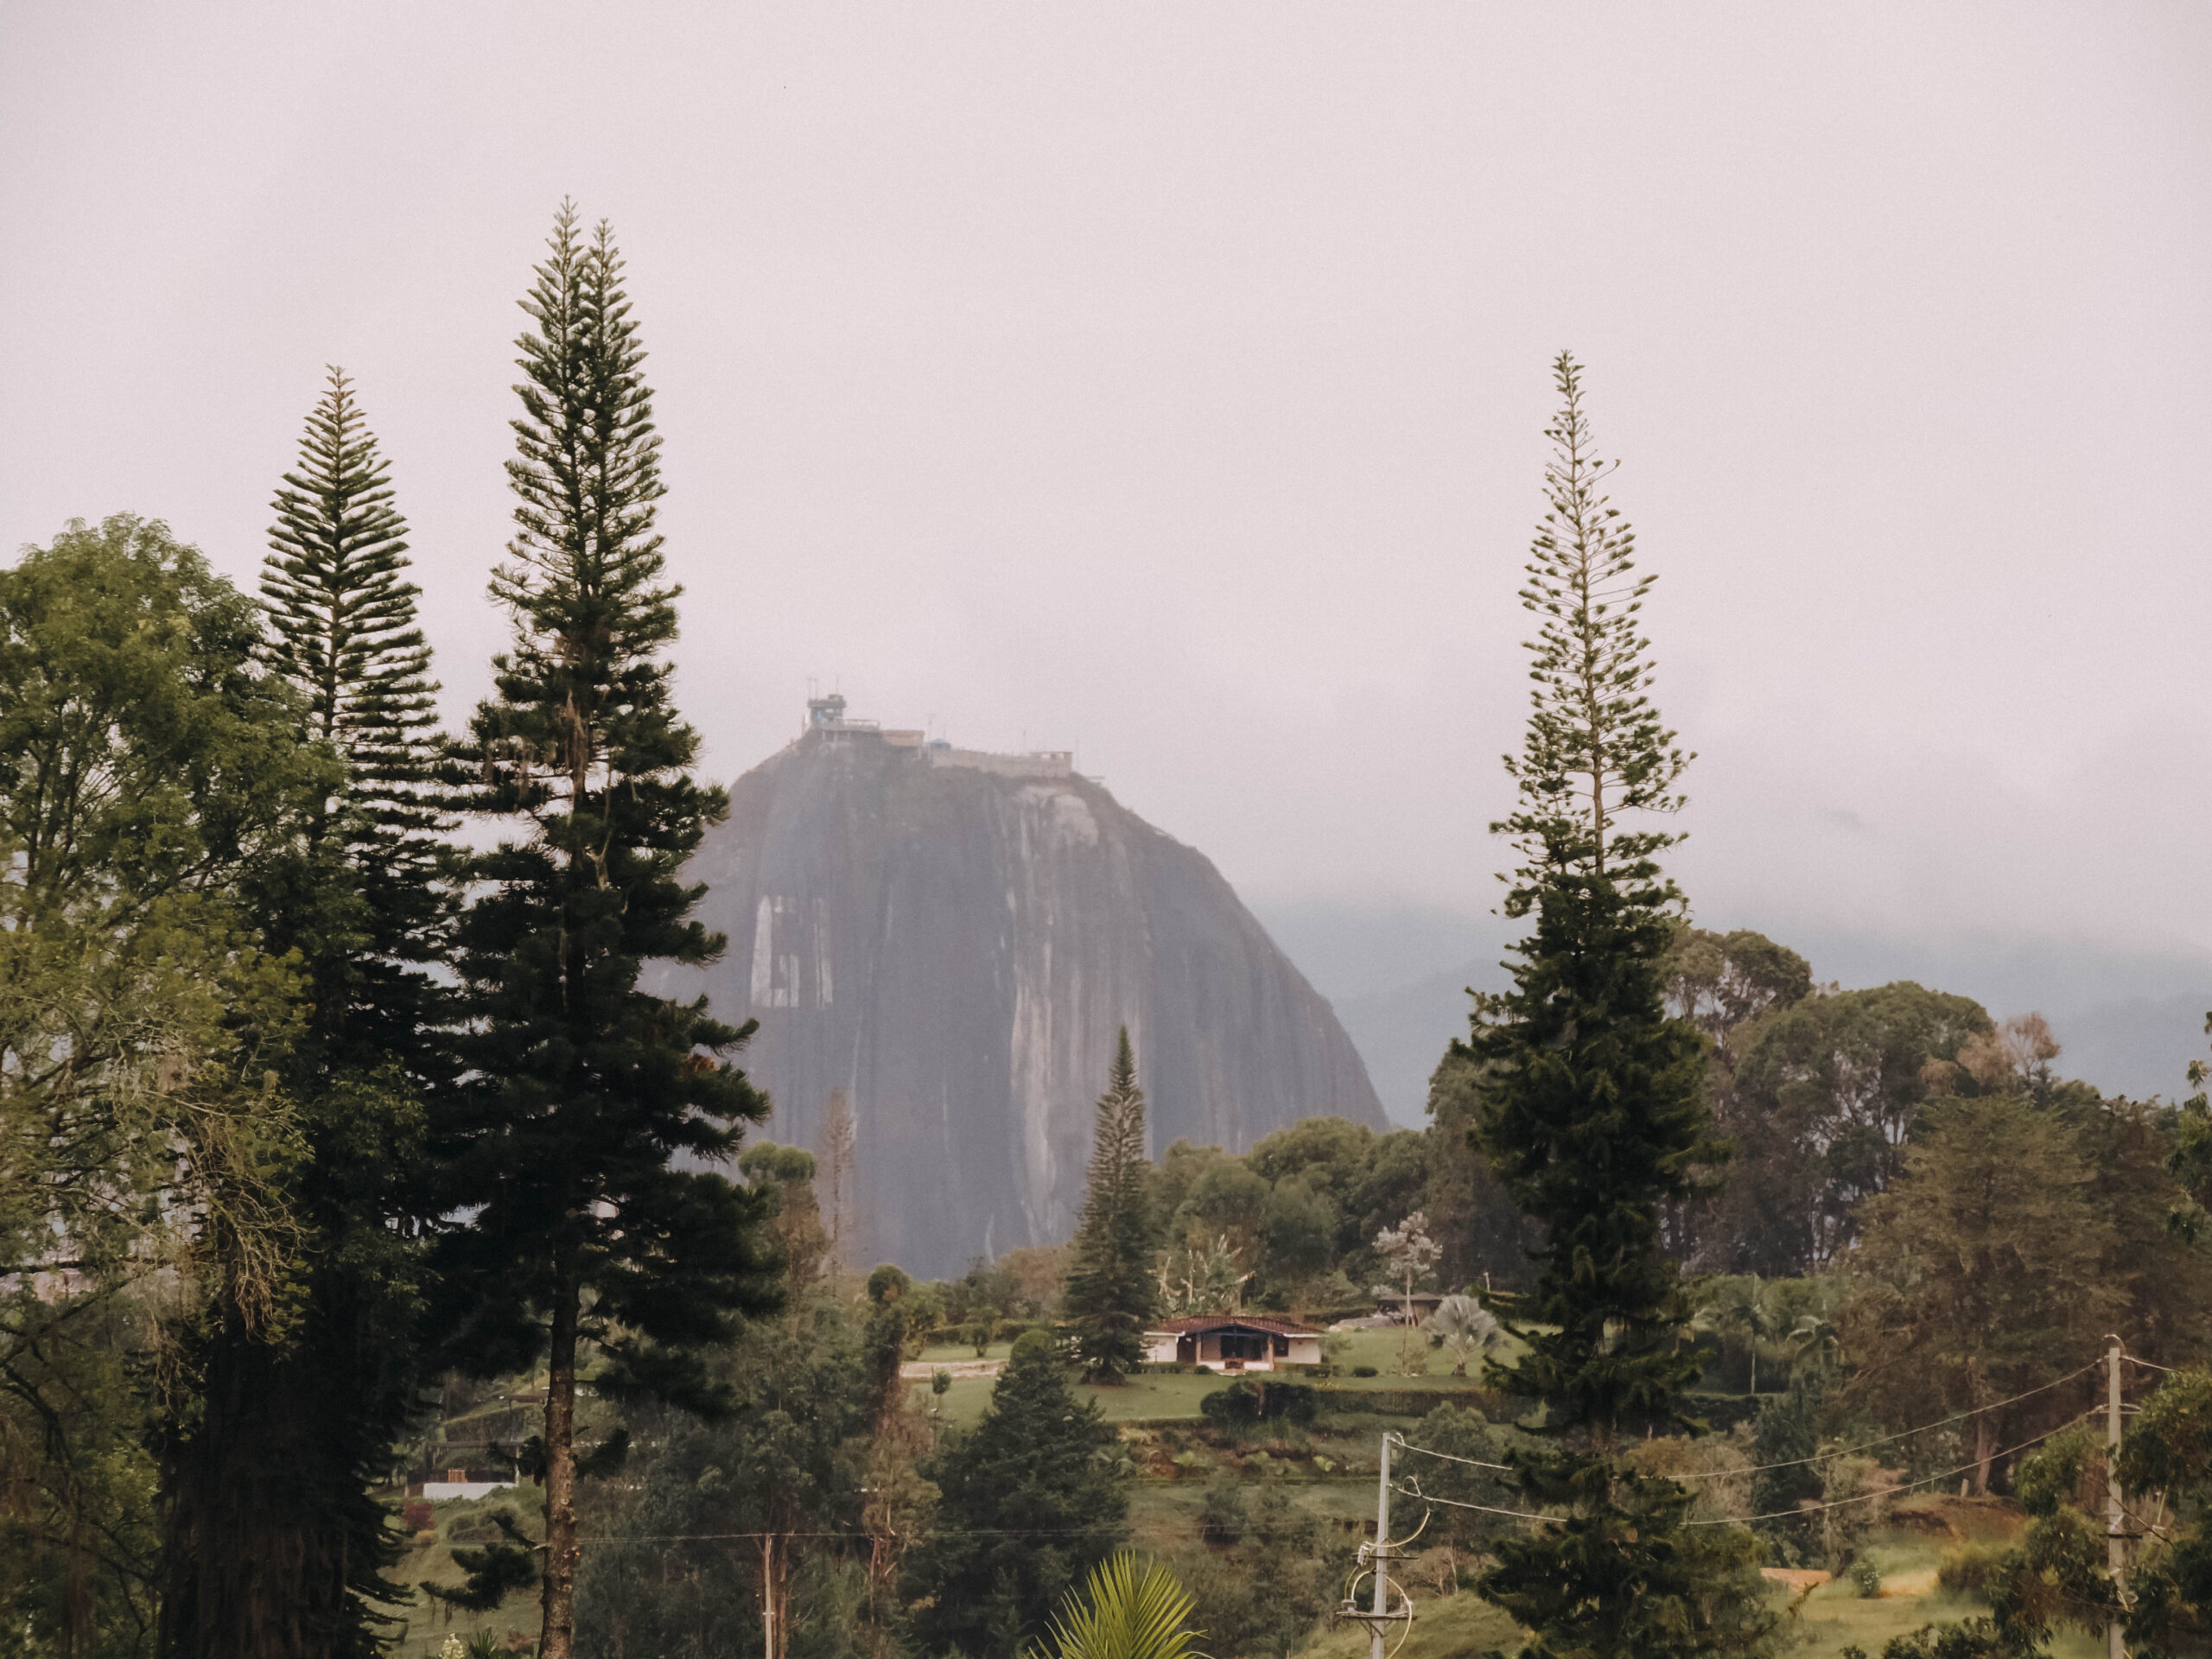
1167	382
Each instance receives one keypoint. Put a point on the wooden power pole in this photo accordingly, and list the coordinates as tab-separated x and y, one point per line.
2115	1536
1377	1616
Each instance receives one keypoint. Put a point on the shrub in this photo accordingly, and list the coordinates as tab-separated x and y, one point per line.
1239	1402
1365	1370
475	1526
1975	1639
1970	1569
1223	1519
1867	1577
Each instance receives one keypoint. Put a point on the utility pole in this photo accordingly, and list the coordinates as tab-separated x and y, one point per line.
1381	1555
1377	1616
2115	1539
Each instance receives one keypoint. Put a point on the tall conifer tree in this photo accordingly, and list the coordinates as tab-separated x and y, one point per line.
583	1092
1111	1290
1594	1117
342	621
274	1546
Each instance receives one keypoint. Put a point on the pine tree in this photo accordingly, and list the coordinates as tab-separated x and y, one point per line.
584	1094
274	1546
1111	1289
342	622
1593	1117
1027	1506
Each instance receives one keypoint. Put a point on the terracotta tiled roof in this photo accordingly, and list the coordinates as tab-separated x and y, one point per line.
1239	1321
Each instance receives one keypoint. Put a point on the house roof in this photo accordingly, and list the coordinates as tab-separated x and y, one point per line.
1191	1327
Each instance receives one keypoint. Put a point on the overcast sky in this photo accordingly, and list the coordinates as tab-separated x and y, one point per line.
1167	382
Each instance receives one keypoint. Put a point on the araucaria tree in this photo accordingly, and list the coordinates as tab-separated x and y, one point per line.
1110	1284
1593	1117
274	1544
1029	1505
582	1093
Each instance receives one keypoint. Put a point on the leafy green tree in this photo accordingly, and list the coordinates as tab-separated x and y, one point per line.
1485	1239
2191	1160
2165	1282
1111	1292
2167	1451
1297	1231
1746	1309
1473	1471
1028	1506
2058	1578
1217	1196
1261	1598
1824	1095
276	1546
152	776
1720	983
80	1540
733	1509
1977	1277
585	1099
1593	1111
1785	1440
1201	1277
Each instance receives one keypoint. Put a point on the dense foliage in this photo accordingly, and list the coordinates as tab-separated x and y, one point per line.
275	1545
1028	1506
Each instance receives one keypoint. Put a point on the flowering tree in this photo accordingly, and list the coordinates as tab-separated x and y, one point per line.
1412	1255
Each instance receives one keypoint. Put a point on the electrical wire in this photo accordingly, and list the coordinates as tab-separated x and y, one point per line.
1415	1491
1820	1457
1903	1486
726	1537
1397	1439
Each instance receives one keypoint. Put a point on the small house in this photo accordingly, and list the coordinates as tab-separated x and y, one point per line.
1233	1342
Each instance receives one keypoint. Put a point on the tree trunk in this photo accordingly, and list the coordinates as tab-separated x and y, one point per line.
558	1638
1984	1453
253	1564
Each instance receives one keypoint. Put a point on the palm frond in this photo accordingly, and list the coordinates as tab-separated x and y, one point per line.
1125	1610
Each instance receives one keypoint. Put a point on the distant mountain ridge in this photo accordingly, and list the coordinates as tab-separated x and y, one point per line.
2130	1021
952	938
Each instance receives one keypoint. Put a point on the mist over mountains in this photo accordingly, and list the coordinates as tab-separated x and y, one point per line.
1397	977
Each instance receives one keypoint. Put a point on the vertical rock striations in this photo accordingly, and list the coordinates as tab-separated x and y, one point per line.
953	939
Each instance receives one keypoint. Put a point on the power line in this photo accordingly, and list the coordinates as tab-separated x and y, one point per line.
935	1532
1903	1486
2152	1365
1820	1457
1779	1515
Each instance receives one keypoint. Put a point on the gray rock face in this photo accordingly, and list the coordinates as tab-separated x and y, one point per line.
953	939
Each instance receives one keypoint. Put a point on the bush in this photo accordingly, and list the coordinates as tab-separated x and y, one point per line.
1867	1577
475	1526
1970	1569
1241	1402
1975	1639
1365	1370
1223	1519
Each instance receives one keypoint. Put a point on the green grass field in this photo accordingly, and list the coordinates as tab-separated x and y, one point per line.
1165	1396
